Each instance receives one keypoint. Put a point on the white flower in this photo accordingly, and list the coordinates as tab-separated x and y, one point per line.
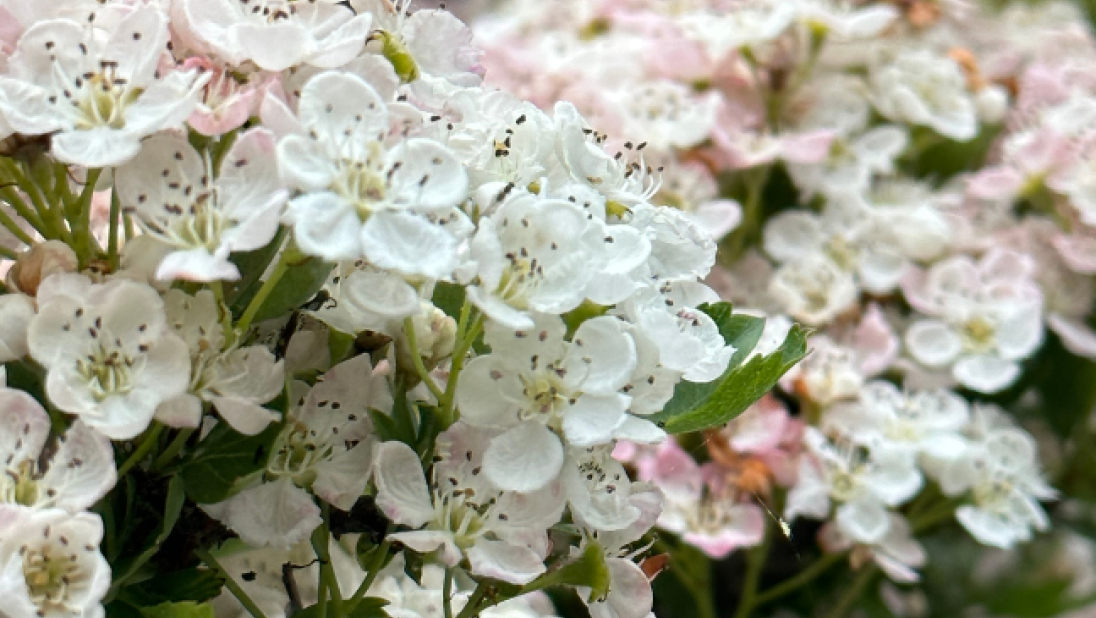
50	565
745	25
667	113
172	191
110	359
236	381
535	385
326	447
73	477
897	553
275	34
598	489
542	255
986	316
925	88
1000	474
360	197
923	422
815	289
863	481
432	46
461	513
623	182
852	162
97	93
687	339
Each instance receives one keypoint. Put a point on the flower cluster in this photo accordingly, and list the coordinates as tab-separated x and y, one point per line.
911	179
348	308
289	262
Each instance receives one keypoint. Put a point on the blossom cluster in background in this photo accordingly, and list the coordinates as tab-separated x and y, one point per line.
347	308
911	179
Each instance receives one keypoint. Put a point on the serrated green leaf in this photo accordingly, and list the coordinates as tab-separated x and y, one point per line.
186	609
297	286
213	471
737	389
741	331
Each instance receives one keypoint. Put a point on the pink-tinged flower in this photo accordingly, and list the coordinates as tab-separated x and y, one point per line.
226	103
767	432
701	505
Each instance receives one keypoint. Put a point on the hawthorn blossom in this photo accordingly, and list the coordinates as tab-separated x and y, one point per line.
461	513
16	312
985	316
921	87
545	391
326	448
109	357
236	380
50	565
862	479
273	34
77	473
98	93
362	197
173	193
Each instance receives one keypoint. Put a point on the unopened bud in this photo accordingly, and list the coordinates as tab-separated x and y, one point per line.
40	261
435	336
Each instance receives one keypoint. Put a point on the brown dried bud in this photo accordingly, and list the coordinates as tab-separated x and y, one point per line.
40	261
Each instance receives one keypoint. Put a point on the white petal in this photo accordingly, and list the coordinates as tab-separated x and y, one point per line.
381	293
933	343
501	560
429	176
24	427
326	225
409	244
525	458
985	373
81	471
402	492
607	354
277	513
592	420
182	411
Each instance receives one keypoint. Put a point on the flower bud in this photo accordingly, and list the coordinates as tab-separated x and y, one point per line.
40	261
435	336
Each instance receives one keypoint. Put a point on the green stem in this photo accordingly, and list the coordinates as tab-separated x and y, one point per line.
466	336
800	579
447	593
172	449
416	358
841	608
112	238
147	444
264	292
8	254
321	541
230	583
56	228
380	553
11	196
929	517
85	208
473	606
223	310
755	564
14	228
750	227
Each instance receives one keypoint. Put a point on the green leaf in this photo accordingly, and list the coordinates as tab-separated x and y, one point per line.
740	331
128	566
186	585
217	467
588	570
296	287
252	265
186	609
449	297
735	391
